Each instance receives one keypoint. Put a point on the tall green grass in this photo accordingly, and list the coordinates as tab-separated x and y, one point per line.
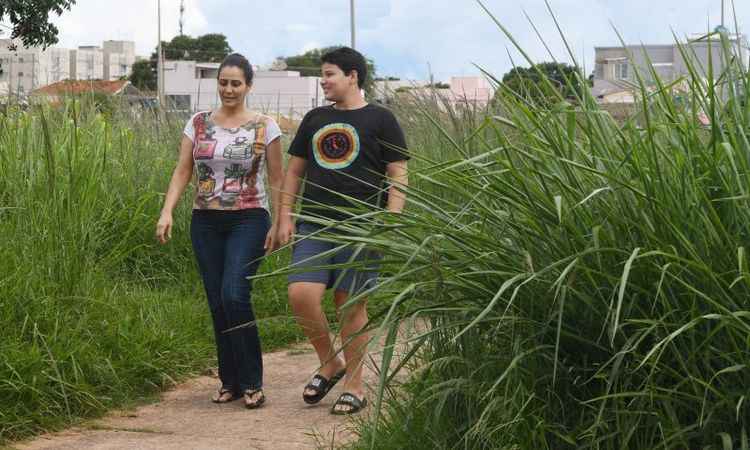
585	281
94	313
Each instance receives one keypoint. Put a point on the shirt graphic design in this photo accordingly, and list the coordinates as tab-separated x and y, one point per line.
336	146
230	162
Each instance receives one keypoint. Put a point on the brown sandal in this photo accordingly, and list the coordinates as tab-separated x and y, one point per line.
257	403
219	398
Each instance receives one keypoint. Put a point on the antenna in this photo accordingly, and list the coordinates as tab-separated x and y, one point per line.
182	15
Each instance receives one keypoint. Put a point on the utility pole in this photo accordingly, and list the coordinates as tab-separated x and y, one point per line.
182	15
351	9
159	60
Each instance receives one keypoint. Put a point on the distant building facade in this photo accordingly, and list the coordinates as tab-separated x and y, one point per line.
25	69
192	86
615	67
460	91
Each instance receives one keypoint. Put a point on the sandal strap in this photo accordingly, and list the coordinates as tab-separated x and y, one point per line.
349	399
318	383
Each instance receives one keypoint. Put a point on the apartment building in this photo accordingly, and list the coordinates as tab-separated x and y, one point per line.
87	63
25	69
119	57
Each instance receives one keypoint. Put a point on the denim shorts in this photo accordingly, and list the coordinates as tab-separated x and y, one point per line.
308	254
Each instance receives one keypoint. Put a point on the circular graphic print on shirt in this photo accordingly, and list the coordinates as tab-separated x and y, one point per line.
336	146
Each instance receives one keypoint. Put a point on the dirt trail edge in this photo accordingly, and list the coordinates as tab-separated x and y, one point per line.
185	418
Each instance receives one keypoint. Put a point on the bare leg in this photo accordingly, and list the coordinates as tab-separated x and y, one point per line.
305	299
353	320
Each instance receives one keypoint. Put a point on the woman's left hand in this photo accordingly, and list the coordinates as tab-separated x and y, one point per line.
271	242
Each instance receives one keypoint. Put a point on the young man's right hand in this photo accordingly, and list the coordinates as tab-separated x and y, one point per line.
285	232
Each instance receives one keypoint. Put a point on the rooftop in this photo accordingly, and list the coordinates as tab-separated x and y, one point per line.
72	87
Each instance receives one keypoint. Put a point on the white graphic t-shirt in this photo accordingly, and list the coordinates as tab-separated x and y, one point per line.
229	163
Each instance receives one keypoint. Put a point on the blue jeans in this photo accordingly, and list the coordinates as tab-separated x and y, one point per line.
228	245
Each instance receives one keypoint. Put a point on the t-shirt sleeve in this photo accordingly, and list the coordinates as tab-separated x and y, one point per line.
189	129
301	142
392	139
272	130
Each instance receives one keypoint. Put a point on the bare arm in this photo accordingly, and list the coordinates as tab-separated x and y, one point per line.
397	173
181	176
275	178
295	171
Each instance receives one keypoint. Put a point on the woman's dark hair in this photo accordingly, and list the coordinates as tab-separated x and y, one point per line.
237	60
348	59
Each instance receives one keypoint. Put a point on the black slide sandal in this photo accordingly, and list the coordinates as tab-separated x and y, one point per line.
321	386
348	399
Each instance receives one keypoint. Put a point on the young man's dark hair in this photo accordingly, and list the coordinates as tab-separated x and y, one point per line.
348	59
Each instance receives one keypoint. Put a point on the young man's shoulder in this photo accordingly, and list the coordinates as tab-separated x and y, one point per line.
319	110
380	108
382	112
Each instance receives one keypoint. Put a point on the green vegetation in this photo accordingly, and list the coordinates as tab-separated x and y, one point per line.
584	283
94	313
30	21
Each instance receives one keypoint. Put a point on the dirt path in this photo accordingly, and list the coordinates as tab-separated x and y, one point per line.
186	419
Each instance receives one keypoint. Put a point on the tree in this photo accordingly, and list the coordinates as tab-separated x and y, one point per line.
207	48
143	75
308	64
30	20
529	82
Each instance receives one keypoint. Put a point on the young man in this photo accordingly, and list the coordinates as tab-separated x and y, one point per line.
349	148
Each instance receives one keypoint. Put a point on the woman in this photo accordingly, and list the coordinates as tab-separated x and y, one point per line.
229	150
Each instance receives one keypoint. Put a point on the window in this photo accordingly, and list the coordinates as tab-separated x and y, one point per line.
621	71
20	74
599	71
20	59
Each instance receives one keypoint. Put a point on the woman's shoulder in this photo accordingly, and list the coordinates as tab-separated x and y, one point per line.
200	115
266	120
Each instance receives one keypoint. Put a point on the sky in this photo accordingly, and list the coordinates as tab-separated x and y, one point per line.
411	39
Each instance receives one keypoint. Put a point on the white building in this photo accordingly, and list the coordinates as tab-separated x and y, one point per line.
461	91
193	86
384	90
27	68
119	57
615	77
87	63
469	91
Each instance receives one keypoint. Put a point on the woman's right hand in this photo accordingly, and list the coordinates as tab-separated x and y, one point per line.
285	232
164	228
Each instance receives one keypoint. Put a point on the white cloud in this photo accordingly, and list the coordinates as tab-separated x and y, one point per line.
402	36
89	22
310	46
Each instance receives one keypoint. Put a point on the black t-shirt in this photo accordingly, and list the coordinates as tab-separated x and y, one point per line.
347	152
